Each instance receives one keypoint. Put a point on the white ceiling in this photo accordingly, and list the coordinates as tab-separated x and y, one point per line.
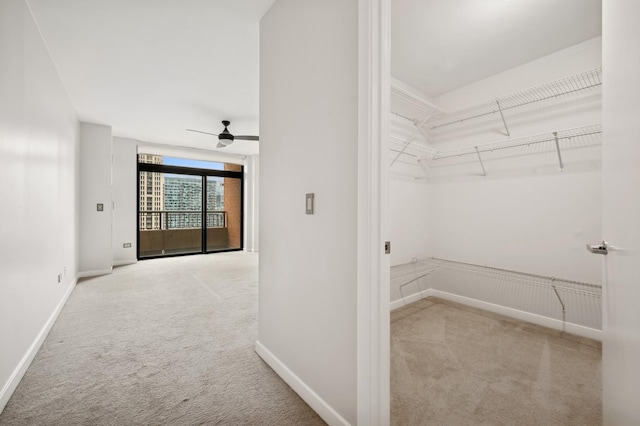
441	45
153	68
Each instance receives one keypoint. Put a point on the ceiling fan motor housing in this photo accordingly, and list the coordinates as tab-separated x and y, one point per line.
225	137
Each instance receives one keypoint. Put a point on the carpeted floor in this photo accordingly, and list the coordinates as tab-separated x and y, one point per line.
162	342
456	365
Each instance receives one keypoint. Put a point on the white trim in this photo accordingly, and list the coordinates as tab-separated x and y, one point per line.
87	274
553	323
318	404
568	327
373	323
124	262
22	367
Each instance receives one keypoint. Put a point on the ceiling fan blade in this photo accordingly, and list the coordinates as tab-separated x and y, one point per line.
246	138
200	131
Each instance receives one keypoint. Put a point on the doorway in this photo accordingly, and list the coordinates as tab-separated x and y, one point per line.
188	206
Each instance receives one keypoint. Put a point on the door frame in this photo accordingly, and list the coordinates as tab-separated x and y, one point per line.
192	171
373	322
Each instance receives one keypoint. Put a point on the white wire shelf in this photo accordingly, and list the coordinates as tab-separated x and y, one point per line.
551	90
410	106
564	136
410	148
410	272
577	287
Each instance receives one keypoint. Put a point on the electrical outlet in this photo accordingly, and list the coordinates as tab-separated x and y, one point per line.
126	245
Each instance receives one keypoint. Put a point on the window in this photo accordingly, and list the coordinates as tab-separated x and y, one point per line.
188	206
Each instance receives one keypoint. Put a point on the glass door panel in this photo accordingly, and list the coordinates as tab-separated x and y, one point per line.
170	214
224	213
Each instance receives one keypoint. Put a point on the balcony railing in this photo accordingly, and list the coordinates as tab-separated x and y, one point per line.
164	232
156	220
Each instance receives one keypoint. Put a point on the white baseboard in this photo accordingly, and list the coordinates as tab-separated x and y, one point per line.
97	273
410	299
11	384
123	262
553	323
319	405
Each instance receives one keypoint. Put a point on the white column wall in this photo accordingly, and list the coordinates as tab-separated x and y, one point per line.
251	203
39	152
309	141
96	255
125	203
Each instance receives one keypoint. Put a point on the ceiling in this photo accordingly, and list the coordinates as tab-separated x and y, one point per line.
153	68
441	45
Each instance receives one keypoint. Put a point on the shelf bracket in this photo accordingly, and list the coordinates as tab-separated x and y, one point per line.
555	136
409	139
484	172
503	120
419	125
424	133
406	145
564	309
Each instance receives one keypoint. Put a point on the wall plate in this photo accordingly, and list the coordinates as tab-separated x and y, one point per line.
310	203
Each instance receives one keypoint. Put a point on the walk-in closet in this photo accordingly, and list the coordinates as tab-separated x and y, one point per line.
494	194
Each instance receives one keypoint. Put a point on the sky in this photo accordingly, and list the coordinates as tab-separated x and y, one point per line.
198	164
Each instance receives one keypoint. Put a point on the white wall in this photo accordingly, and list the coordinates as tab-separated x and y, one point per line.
96	255
125	193
39	152
526	214
409	204
307	272
252	203
409	210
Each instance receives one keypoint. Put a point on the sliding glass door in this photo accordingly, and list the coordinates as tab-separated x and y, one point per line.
186	210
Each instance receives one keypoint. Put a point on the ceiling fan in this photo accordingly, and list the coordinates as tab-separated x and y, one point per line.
225	137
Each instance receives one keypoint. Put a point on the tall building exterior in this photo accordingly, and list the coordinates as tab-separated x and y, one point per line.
151	194
183	195
175	201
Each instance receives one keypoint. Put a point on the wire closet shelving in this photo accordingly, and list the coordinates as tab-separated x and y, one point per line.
551	90
412	272
560	139
422	155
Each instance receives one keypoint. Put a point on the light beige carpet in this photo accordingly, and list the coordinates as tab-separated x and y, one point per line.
456	365
162	342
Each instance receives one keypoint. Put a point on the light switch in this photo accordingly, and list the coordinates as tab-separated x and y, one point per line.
310	198
100	207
